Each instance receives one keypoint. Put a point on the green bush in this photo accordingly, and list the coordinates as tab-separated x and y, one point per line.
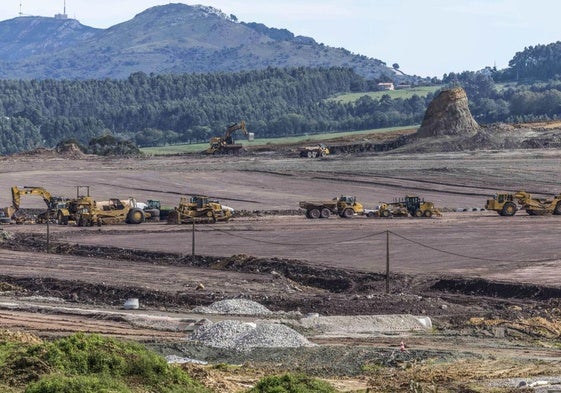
77	384
92	363
291	383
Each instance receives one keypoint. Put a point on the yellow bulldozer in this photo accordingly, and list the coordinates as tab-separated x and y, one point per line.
225	144
199	209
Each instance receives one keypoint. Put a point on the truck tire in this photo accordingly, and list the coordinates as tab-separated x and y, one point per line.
385	213
509	209
310	154
314	213
153	213
325	213
173	217
557	210
61	219
348	213
135	216
418	213
427	214
370	215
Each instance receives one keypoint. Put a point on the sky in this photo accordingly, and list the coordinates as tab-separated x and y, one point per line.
425	37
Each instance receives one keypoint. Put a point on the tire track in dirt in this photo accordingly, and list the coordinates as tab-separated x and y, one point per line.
399	186
169	192
54	324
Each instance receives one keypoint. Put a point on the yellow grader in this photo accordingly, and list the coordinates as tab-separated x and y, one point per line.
409	205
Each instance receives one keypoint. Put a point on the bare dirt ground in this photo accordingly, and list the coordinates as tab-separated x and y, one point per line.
490	284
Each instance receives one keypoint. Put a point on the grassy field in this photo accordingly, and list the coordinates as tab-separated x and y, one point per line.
199	147
402	93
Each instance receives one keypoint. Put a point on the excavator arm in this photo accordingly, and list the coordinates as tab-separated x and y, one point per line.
18	192
233	128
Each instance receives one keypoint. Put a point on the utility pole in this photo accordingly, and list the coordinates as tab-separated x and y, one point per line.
387	261
193	243
48	231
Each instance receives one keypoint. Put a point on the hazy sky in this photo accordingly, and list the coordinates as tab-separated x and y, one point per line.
425	37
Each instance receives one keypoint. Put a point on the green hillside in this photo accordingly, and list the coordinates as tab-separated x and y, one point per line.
400	93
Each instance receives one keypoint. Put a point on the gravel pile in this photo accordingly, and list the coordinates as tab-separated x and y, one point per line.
244	336
235	307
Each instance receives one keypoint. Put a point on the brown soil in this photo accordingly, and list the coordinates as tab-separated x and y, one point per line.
489	283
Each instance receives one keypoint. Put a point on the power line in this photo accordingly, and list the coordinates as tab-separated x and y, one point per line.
468	256
298	244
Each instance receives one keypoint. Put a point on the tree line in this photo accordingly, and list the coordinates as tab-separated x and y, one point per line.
152	110
163	109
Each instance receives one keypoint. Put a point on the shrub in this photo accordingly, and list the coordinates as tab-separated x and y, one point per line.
77	384
291	383
91	363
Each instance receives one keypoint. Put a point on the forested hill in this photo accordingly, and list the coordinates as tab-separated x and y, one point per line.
172	38
153	110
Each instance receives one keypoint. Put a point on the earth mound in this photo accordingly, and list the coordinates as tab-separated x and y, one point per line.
69	150
448	114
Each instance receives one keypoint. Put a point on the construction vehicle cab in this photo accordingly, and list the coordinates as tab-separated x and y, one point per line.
347	206
503	203
225	144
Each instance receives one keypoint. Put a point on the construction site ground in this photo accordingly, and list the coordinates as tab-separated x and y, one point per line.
489	284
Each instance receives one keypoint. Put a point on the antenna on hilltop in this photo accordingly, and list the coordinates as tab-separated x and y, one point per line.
20	13
63	15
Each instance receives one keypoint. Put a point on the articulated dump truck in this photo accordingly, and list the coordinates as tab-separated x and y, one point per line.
343	206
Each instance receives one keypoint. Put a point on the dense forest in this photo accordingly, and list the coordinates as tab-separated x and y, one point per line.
152	110
163	109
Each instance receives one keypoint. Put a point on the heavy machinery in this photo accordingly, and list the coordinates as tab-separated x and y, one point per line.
199	209
321	150
114	211
85	211
507	204
75	207
53	203
414	205
386	210
344	206
225	144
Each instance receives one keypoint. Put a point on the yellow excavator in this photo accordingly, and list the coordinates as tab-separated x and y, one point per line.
53	203
225	144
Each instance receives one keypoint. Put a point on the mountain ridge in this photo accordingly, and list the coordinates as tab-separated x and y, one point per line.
172	38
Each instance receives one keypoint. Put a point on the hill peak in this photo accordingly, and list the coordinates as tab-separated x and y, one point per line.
173	38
